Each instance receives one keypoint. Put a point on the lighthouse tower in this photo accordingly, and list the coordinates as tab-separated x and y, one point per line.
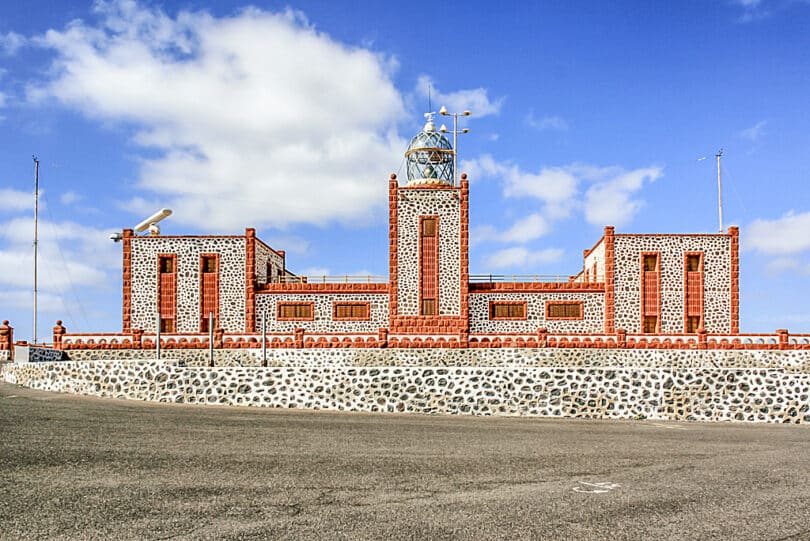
429	242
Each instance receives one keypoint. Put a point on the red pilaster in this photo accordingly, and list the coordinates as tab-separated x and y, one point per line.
734	233
126	325
6	337
610	267
393	280
250	280
465	253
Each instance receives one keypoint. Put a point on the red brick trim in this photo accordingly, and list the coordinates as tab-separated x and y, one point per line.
702	276
493	304
610	277
393	229
295	303
734	233
435	254
250	280
464	249
428	324
204	315
126	319
294	287
549	303
538	287
642	294
335	305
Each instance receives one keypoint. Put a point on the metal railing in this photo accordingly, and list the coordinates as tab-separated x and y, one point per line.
518	278
344	279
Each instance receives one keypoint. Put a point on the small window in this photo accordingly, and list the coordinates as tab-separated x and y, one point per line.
209	264
566	310
351	311
167	325
650	324
693	263
269	272
650	263
166	264
295	311
429	227
692	324
507	310
428	307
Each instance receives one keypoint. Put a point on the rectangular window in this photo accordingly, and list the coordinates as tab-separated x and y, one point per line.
693	292
595	277
209	290
294	311
167	292
650	292
269	271
507	310
428	265
167	325
565	310
357	311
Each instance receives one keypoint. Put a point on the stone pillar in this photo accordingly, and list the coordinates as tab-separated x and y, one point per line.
621	338
58	331
218	333
7	338
783	338
542	337
137	338
703	340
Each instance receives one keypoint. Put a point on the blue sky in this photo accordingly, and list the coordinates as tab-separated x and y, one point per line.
288	117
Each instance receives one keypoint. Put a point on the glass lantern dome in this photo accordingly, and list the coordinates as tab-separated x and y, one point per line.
429	158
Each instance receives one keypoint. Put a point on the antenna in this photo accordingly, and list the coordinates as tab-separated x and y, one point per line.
719	189
36	237
430	107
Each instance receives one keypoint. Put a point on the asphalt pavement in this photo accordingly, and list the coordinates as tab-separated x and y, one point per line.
86	468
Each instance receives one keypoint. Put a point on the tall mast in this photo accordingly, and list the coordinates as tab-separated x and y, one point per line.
36	238
719	189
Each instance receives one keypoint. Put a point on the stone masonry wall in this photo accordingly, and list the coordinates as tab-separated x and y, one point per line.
263	255
412	204
323	321
145	252
717	280
703	393
592	322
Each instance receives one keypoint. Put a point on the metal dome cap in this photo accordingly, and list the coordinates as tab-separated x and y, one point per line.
429	157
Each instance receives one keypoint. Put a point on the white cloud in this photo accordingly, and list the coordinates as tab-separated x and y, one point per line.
476	100
754	132
247	135
10	43
789	234
552	122
16	200
611	199
69	198
526	229
521	257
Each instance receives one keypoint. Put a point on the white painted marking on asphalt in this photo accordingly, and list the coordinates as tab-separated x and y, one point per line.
595	488
671	427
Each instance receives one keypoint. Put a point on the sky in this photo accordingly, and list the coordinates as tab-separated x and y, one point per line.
289	117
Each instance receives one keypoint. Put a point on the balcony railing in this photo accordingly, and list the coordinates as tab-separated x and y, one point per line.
518	278
344	279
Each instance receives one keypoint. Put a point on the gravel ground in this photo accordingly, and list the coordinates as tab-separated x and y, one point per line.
85	468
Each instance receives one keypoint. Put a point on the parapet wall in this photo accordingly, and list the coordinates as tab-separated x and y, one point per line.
760	386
